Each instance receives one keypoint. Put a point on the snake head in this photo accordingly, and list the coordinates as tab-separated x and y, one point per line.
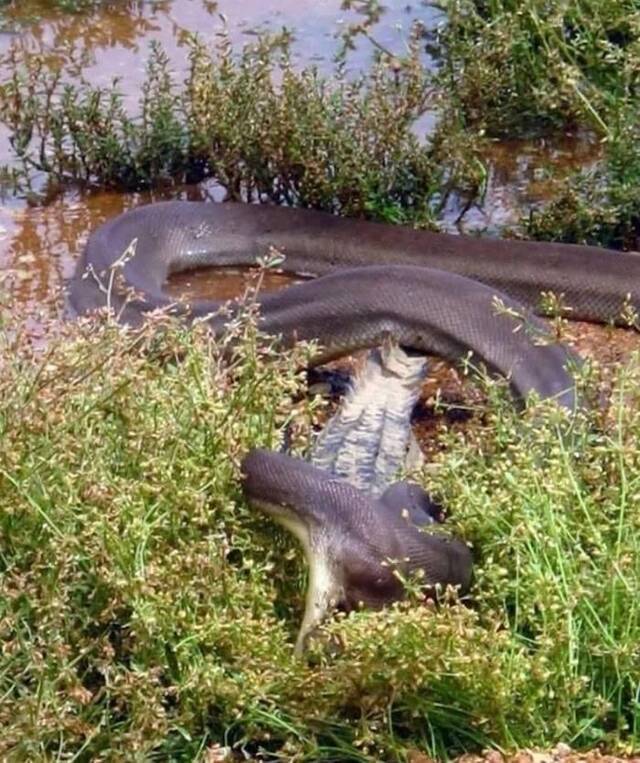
358	548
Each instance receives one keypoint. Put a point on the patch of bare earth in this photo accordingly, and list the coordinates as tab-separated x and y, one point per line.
451	401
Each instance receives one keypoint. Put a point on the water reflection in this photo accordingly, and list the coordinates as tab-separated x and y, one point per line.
40	243
113	39
76	41
524	174
225	283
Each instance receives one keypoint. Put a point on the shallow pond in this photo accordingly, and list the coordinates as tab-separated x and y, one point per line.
40	239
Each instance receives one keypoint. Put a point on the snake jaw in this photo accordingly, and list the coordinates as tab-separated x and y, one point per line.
325	590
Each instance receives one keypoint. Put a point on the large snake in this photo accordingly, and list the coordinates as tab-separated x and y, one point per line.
431	292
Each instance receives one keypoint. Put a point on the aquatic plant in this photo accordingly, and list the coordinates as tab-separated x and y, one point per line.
260	128
518	69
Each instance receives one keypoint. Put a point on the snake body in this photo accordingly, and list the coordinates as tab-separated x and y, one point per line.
409	297
431	292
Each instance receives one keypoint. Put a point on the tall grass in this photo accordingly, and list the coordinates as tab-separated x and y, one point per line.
520	67
146	611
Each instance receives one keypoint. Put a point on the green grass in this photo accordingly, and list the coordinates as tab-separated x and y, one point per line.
147	612
519	67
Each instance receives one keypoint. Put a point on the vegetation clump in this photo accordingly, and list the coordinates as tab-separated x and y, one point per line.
519	67
257	126
601	204
517	70
266	131
146	610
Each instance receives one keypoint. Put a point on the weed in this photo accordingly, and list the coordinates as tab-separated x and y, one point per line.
344	146
146	610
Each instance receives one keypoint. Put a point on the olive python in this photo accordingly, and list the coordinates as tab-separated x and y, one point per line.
453	296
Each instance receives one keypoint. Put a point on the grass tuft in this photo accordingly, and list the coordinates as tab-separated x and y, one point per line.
145	610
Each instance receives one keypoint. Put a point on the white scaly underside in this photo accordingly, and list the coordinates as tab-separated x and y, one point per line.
369	440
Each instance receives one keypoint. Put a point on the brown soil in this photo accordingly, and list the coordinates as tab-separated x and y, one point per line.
450	400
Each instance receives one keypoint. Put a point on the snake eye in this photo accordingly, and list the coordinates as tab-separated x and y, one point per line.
234	557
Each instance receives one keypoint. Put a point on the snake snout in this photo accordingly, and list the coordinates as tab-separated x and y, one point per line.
359	549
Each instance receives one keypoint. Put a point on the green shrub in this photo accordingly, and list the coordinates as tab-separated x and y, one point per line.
257	126
126	552
146	611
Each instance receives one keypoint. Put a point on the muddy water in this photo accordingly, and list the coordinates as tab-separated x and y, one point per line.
39	241
522	175
226	283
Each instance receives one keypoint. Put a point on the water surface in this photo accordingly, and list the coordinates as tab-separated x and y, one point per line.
41	239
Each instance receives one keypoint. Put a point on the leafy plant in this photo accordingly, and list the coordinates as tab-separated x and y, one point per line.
145	610
344	146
